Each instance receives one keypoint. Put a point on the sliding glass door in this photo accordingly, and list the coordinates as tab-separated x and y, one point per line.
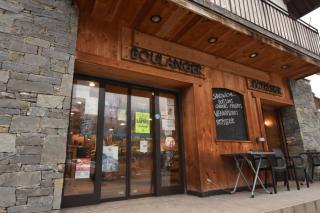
114	149
124	142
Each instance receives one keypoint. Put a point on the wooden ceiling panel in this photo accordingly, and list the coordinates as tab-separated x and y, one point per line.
181	26
198	28
162	8
126	14
105	10
215	31
229	43
176	24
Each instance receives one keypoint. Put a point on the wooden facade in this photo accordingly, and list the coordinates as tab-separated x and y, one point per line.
109	29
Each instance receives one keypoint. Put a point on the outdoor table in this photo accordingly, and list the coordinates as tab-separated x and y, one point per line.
240	159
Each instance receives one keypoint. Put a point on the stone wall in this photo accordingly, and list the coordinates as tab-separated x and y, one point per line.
37	45
302	121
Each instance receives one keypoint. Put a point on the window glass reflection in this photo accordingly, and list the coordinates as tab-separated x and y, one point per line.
81	151
169	141
114	143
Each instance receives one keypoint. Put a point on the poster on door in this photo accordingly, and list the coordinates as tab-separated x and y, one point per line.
143	146
110	156
142	124
168	125
163	107
82	168
91	106
122	115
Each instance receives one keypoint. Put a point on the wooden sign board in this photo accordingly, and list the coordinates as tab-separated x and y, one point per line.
264	87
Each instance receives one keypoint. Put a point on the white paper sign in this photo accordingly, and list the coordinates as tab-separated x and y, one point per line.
144	146
171	112
163	107
168	125
91	106
122	115
82	168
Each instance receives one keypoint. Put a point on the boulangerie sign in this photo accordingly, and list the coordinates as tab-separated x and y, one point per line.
166	62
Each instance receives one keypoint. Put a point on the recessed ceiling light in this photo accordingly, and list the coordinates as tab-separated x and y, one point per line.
91	84
72	113
79	102
111	129
286	66
212	40
155	18
122	124
253	55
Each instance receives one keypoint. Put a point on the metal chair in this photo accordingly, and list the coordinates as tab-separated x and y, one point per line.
298	164
279	166
315	162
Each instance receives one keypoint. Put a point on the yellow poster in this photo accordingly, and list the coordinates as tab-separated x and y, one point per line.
142	122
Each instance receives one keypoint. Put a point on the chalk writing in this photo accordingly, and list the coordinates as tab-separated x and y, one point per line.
229	115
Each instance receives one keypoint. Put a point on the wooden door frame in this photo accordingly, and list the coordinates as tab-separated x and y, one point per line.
279	121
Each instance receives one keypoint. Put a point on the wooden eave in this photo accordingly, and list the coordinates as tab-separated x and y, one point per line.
189	25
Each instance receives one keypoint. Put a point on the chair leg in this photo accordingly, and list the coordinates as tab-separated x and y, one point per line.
287	179
274	182
266	178
296	177
312	172
307	178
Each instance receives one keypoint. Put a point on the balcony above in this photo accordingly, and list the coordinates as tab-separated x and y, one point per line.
269	19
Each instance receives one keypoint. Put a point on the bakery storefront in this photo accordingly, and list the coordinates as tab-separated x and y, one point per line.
159	93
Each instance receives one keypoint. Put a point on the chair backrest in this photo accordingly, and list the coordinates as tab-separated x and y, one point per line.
280	158
316	158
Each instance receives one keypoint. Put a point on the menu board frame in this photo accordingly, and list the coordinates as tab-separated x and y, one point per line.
244	138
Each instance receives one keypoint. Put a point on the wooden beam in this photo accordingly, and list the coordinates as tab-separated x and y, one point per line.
179	51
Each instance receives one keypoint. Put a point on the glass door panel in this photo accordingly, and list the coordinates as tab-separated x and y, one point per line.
141	170
81	150
114	150
170	174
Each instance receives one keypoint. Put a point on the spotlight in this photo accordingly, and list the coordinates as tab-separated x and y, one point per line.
212	40
155	18
286	66
253	55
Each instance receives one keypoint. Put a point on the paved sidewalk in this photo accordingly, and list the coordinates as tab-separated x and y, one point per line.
238	203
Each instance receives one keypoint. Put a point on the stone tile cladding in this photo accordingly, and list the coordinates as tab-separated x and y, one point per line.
302	121
37	46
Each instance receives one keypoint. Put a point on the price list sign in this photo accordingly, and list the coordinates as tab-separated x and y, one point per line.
229	115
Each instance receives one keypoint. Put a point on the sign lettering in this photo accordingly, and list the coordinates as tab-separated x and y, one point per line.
264	87
166	62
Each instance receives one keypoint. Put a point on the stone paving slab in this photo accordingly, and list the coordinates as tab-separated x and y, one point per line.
306	200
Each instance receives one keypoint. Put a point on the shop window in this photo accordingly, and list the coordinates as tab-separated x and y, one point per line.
229	115
81	154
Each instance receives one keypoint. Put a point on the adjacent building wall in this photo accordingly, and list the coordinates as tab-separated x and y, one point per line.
302	121
37	45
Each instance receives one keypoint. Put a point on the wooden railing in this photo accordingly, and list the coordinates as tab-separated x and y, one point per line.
271	17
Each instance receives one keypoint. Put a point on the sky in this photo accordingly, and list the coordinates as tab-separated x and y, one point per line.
313	18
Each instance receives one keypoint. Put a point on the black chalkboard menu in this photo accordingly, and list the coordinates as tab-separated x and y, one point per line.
229	115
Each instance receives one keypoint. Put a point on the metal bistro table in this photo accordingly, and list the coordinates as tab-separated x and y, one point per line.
240	159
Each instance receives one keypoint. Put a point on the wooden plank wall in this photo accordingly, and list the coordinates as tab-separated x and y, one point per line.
101	50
